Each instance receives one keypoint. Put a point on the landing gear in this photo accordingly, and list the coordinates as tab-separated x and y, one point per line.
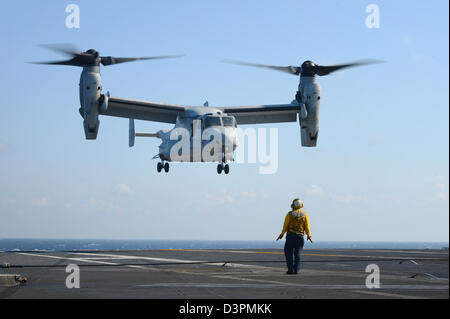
225	168
162	166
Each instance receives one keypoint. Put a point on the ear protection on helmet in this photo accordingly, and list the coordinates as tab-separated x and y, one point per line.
297	203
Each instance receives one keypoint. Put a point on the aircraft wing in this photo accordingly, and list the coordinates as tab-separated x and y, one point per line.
143	110
263	113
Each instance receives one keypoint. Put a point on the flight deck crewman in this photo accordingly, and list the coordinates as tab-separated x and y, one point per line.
296	224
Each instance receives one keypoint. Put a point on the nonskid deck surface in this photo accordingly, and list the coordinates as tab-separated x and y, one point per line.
228	273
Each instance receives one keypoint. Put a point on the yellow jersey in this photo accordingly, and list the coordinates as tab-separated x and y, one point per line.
297	222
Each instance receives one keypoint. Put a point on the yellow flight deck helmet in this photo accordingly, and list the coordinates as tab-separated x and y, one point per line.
297	203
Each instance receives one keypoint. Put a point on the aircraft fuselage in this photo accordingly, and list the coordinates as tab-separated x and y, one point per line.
202	134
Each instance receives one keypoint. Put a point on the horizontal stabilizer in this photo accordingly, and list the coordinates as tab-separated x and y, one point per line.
147	134
133	134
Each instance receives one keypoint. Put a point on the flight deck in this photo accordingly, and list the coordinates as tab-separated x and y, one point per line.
226	274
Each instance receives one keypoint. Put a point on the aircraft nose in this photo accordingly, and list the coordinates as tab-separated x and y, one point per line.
229	140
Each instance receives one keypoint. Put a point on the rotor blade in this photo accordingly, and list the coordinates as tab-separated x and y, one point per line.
287	69
66	62
108	60
65	48
79	60
325	70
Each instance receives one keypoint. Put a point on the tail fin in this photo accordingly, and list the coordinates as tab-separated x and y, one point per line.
132	133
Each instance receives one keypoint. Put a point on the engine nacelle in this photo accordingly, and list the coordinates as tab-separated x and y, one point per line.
309	137
90	96
309	128
308	117
90	130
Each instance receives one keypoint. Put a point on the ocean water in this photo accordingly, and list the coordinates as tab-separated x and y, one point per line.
107	244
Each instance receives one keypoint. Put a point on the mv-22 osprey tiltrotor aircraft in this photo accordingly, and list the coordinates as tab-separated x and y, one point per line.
220	121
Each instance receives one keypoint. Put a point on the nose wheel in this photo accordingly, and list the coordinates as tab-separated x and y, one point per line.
162	166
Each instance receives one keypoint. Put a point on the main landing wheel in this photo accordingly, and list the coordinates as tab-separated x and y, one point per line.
162	166
223	168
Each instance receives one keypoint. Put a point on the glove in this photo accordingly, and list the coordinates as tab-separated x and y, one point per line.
279	237
310	239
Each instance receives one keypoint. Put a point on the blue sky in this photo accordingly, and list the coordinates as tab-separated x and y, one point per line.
380	171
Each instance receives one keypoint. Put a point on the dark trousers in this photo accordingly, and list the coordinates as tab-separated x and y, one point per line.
292	250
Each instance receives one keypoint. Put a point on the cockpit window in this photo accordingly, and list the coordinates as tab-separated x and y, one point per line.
212	121
228	121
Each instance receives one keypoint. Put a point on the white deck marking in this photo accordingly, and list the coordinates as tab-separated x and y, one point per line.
76	259
130	257
172	260
385	294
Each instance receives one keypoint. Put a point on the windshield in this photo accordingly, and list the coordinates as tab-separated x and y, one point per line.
212	121
228	121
